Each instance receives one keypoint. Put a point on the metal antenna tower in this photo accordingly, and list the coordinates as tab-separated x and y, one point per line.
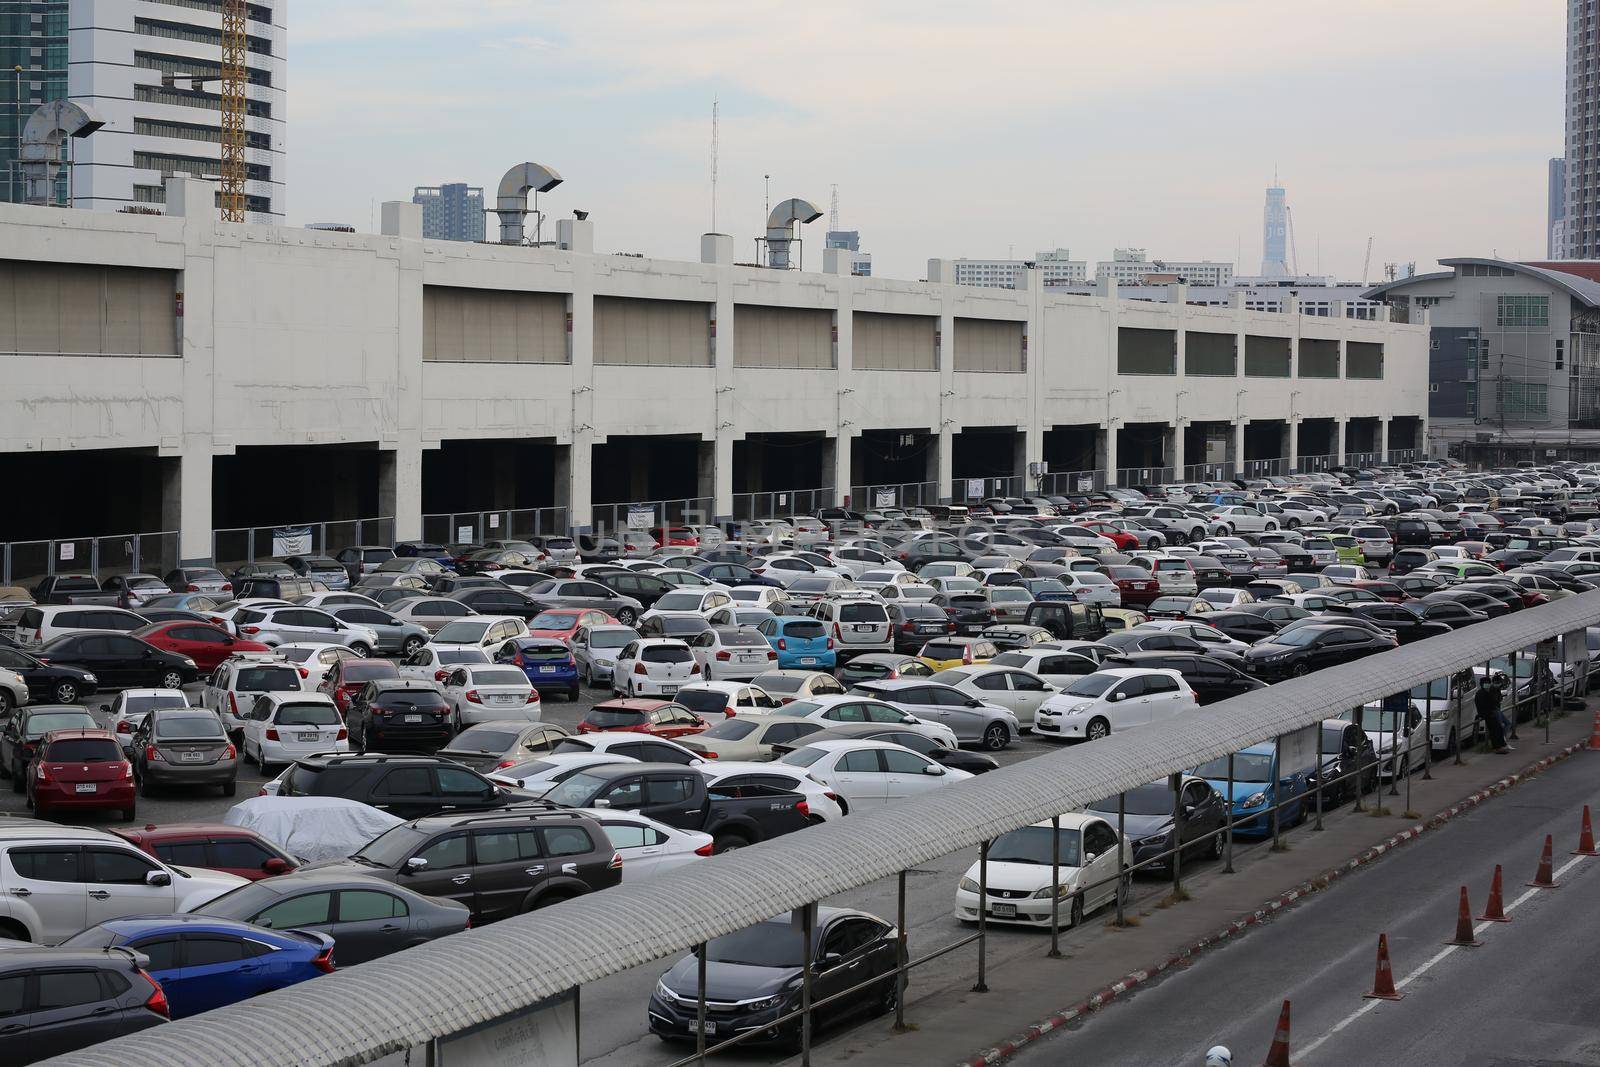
714	149
233	107
833	212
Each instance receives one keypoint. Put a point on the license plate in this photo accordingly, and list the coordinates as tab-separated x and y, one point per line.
547	670
190	757
86	787
668	690
708	1027
808	661
862	627
307	737
413	718
1003	911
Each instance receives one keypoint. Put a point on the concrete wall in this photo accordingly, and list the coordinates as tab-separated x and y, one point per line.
315	337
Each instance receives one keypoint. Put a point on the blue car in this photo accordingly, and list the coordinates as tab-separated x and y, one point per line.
547	662
203	962
1257	786
800	642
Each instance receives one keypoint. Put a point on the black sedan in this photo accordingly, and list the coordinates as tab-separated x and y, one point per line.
120	661
970	612
367	917
1308	648
1475	599
1247	626
1451	612
487	600
735	574
23	730
754	975
1404	623
58	682
1147	812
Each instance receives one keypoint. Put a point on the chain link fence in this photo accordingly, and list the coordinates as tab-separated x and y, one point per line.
235	547
26	563
475	527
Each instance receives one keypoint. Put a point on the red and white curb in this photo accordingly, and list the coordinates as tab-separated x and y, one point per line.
1008	1048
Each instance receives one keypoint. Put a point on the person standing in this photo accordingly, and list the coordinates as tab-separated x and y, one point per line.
1487	703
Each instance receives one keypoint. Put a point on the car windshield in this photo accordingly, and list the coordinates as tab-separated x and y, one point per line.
1438	689
366	670
604	716
1091	685
679	601
391	847
1298	638
1379	719
665	654
770	944
1247	767
611	638
703	701
188	727
267	680
39	725
727	729
307	714
804	757
578	790
82	750
133	705
499	677
1152	799
1031	844
552	620
485	738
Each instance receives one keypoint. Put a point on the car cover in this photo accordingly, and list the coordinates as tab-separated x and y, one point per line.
312	828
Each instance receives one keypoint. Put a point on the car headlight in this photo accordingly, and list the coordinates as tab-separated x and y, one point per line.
1254	800
187	662
665	994
88	677
1439	714
1081	709
1154	839
768	1003
1061	891
969	886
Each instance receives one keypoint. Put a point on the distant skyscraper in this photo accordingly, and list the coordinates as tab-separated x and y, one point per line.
860	262
1275	234
452	212
1556	210
33	36
1582	221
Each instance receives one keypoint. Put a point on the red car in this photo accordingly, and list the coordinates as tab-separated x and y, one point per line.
675	537
659	718
1135	584
208	645
80	770
562	623
1121	538
215	846
346	677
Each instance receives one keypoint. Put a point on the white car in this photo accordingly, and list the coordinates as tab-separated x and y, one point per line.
1113	700
858	560
1018	691
40	625
1244	518
750	735
687	602
283	727
233	686
973	720
1092	587
824	803
634	745
654	666
487	693
1057	666
595	650
951	568
648	847
715	701
788	568
755	596
1400	739
950	583
1204	633
544	772
1019	883
1172	573
341	599
282	625
872	774
737	653
1347	573
1224	598
431	663
313	661
129	708
848	707
479	631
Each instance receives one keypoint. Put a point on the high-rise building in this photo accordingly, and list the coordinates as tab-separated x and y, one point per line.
1058	266
451	212
1130	266
1275	234
1582	221
1556	208
131	60
860	262
33	36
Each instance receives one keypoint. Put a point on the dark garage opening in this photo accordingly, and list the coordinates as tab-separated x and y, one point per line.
488	475
986	453
1072	448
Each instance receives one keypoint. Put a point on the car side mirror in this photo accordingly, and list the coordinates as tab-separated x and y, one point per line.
1118	696
1188	811
600	802
933	769
416	865
275	865
1091	857
830	959
157	878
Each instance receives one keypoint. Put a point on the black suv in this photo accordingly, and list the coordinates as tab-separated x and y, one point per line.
57	1000
407	786
498	864
399	714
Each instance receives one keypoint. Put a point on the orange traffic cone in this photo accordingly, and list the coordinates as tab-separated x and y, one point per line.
1496	911
1464	937
1278	1054
1383	984
1594	735
1546	878
1586	838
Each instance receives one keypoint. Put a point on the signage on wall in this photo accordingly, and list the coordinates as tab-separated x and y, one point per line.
640	517
974	488
291	540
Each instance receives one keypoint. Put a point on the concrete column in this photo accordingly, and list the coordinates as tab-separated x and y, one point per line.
1383	439
943	454
842	450
1111	451
1238	447
717	248
1177	452
400	465
949	409
1338	441
706	480
850	411
582	432
1294	444
194	506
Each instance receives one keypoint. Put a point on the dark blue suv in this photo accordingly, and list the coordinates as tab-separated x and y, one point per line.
547	662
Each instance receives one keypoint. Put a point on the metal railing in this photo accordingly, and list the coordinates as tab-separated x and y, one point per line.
1059	483
590	937
893	495
969	490
1130	476
1309	464
1208	472
516	524
609	518
1403	455
236	547
1266	468
26	563
783	502
1362	459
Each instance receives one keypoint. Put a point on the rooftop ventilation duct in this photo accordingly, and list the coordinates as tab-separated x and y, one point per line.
511	200
42	138
780	229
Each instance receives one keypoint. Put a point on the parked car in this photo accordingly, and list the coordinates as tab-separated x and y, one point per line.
1114	699
872	774
1258	785
1018	691
788	686
799	641
750	736
79	588
399	715
367	917
203	962
654	666
119	660
282	727
1146	813
595	650
1308	648
236	681
882	666
183	747
232	850
941	753
24	730
971	719
62	1000
656	717
546	663
499	691
58	683
80	770
501	743
1210	678
207	644
1020	870
348	677
408	787
942	653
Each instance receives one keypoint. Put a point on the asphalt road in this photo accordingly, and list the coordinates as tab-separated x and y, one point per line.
1527	996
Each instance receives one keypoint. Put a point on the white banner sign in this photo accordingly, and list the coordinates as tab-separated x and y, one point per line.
291	540
883	498
974	488
641	518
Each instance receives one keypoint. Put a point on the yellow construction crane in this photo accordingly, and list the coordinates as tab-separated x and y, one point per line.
233	83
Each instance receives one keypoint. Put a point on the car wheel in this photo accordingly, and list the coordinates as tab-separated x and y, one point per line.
361	650
412	646
230	788
1294	524
889	998
66	692
1097	729
129	813
996	737
1179	538
1156	542
1076	911
1300	670
572	695
1271	527
172	680
1219	845
729	843
627	616
19	779
7	704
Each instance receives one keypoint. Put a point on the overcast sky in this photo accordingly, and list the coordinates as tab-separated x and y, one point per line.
952	129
